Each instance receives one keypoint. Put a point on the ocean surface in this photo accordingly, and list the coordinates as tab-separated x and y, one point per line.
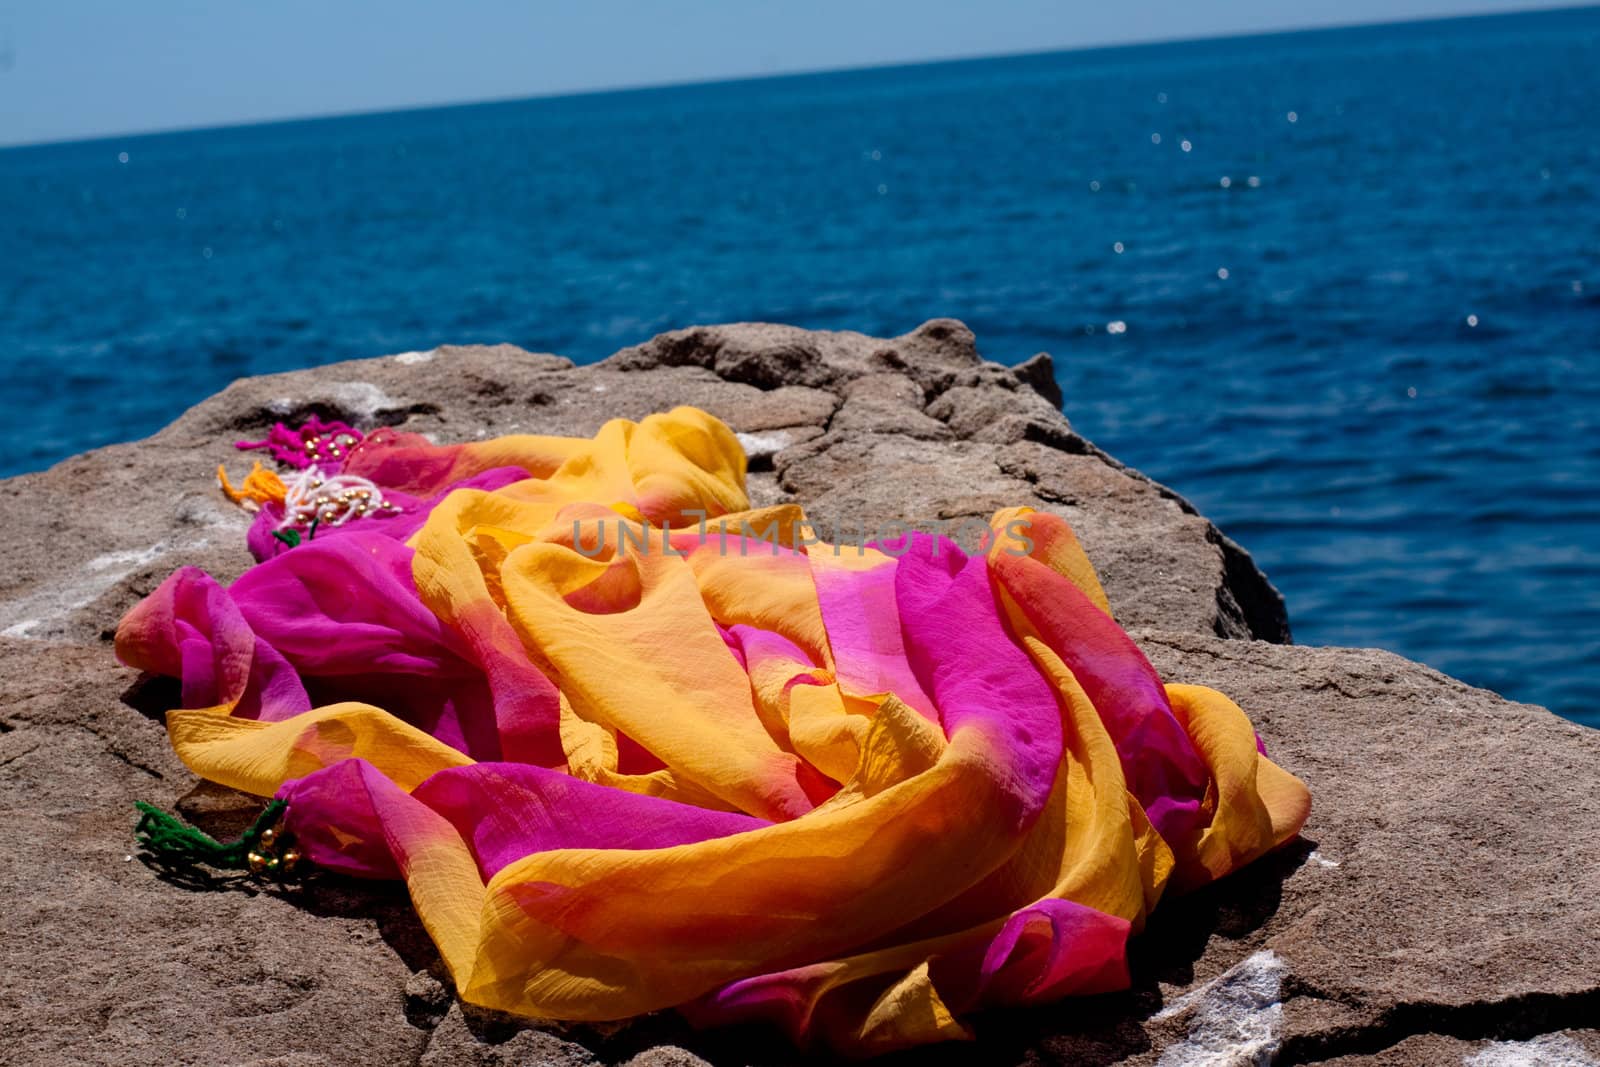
1341	289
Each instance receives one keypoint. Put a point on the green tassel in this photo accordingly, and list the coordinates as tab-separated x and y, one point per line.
292	537
175	842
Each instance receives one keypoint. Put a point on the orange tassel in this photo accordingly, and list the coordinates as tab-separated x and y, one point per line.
259	487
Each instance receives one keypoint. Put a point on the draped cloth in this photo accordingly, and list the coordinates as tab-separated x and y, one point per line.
633	746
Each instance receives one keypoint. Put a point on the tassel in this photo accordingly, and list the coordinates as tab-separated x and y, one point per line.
259	487
178	844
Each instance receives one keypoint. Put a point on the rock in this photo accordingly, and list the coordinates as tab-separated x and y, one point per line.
105	962
1039	373
461	1041
1440	909
1569	1048
1446	881
886	419
428	1000
666	1056
886	403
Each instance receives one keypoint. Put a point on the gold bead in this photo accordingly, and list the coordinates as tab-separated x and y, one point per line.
268	836
257	861
291	857
311	444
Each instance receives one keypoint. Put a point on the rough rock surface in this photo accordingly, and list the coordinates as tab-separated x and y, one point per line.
1442	907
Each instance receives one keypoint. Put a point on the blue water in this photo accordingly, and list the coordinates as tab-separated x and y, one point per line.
1391	398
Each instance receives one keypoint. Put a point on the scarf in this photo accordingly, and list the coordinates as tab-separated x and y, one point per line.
633	745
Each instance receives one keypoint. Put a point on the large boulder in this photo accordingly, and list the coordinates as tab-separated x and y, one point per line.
1440	909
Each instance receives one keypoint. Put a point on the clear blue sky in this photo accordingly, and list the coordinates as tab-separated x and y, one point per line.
88	68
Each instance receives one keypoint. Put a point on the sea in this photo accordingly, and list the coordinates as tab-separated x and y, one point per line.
1339	288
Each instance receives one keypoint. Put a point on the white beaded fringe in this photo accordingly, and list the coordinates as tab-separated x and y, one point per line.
330	500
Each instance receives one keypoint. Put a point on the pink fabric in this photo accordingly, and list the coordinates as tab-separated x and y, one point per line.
287	445
1163	770
413	513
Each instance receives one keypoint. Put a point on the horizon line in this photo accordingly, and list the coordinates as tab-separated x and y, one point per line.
806	72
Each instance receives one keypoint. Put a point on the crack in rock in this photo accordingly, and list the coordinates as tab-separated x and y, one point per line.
1523	1025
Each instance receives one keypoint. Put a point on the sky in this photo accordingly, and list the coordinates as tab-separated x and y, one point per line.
72	69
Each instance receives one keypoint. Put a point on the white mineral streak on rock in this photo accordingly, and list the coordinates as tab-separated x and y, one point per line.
359	401
128	558
1551	1050
111	568
197	509
362	400
1237	1017
412	358
31	616
764	444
